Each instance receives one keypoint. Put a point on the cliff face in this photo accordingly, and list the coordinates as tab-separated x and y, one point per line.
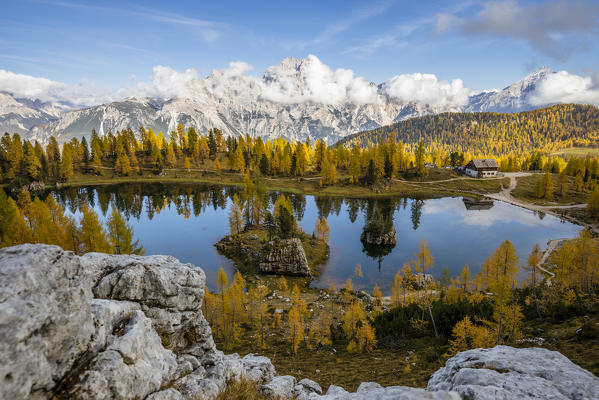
129	327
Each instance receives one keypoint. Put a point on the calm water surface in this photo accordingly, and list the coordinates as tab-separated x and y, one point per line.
185	221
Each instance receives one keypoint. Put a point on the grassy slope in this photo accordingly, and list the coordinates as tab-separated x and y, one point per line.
525	190
578	152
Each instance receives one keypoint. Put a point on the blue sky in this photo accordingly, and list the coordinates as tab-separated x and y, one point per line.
116	43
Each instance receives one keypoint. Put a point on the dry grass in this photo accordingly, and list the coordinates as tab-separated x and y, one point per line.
334	364
242	390
562	337
578	152
525	190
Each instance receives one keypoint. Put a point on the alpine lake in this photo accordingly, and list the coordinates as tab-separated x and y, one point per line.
185	221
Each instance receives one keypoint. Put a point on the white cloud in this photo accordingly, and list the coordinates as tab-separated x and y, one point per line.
291	82
166	83
35	88
426	88
563	87
316	82
26	86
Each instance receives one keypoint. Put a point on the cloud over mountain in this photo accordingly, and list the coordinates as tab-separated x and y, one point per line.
427	89
563	87
296	99
313	81
292	81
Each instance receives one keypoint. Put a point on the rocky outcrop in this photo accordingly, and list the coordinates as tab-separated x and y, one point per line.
507	373
285	257
376	238
279	256
109	327
131	327
374	391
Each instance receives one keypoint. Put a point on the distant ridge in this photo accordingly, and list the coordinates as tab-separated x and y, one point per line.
546	130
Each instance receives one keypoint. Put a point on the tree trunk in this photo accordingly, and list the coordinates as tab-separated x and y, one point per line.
433	321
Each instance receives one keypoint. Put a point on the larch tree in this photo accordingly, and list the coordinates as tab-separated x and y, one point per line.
235	217
222	282
500	270
122	165
320	330
464	280
8	214
348	292
120	235
282	285
466	336
352	320
259	309
33	165
295	331
329	172
544	188
66	163
563	260
170	159
323	230
423	264
407	280
366	337
533	265
236	310
419	160
93	235
593	203
397	289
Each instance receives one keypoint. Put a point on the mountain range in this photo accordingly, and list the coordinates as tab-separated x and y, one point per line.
287	101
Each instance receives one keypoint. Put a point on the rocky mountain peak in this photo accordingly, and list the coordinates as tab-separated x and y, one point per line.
528	83
296	99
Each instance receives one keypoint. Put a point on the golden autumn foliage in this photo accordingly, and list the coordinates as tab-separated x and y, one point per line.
37	221
466	335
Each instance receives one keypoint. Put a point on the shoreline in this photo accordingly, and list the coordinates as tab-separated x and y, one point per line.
308	185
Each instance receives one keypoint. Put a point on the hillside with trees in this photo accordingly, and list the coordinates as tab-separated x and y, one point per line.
543	130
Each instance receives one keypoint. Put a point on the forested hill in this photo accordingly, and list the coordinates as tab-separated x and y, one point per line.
488	133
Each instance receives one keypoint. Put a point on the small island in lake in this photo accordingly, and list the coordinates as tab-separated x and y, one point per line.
275	244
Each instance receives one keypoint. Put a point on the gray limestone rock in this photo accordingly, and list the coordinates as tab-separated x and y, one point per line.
46	322
285	257
379	238
504	372
280	387
109	327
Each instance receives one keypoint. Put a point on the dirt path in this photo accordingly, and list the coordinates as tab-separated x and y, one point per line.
506	195
459	178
